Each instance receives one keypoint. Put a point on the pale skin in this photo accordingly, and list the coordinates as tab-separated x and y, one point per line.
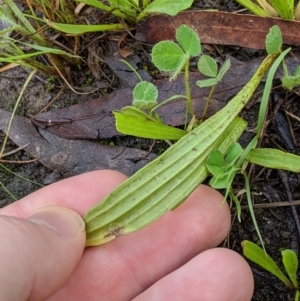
174	258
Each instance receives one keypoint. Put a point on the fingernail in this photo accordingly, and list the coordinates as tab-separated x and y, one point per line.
64	221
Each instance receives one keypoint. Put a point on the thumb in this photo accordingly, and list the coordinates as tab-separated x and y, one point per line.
38	254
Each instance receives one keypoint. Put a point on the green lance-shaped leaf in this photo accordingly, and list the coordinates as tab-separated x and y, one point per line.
169	7
167	181
285	8
258	255
254	8
274	158
74	29
290	262
131	121
157	188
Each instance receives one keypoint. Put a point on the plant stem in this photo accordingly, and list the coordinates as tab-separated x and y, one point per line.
248	194
15	109
145	3
187	89
212	89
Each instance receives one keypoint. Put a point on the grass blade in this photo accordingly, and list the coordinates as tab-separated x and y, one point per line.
81	29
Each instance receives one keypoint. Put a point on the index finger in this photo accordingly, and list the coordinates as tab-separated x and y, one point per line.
78	193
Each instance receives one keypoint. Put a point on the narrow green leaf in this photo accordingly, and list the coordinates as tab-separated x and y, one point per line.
267	7
274	40
237	205
274	158
267	90
207	66
12	6
4	188
250	205
297	12
290	262
207	82
144	95
166	182
103	7
131	3
130	121
188	40
258	255
254	8
16	58
48	49
169	7
285	8
81	29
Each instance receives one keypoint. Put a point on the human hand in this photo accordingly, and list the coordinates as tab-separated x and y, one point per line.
173	258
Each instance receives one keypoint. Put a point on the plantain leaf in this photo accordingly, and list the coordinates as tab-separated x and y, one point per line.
131	121
290	262
258	255
166	182
274	158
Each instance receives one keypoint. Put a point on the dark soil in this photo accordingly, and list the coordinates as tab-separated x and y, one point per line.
277	224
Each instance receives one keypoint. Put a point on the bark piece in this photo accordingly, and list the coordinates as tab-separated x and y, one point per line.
216	27
72	157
